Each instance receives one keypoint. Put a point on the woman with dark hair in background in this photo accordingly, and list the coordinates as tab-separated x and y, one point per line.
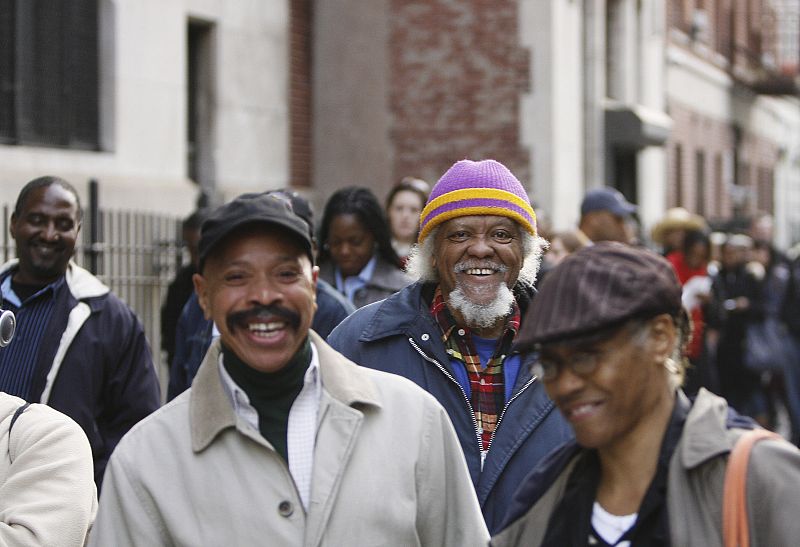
356	254
403	207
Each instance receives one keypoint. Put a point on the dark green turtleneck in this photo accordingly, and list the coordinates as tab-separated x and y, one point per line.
271	393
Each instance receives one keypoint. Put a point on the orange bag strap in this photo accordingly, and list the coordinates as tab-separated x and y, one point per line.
735	529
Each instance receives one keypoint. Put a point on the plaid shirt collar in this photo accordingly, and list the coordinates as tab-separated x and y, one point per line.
447	324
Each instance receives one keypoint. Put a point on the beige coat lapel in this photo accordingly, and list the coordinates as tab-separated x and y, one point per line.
344	385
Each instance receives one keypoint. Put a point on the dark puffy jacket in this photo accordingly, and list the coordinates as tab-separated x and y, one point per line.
399	335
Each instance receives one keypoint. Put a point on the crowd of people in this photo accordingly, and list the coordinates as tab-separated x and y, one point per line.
438	370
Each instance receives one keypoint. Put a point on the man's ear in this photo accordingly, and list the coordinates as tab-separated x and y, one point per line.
663	335
314	278
201	289
12	225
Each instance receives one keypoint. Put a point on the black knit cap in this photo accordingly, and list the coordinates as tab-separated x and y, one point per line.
598	287
263	208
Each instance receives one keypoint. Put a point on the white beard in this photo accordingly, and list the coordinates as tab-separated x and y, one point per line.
482	315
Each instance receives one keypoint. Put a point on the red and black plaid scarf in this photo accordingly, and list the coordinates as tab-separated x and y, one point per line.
487	385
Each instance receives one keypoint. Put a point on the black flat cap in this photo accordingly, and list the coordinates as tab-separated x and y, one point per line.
598	287
263	208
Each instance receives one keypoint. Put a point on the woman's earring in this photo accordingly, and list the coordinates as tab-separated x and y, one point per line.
671	365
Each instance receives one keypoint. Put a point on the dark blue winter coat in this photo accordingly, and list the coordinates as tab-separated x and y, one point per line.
399	335
94	364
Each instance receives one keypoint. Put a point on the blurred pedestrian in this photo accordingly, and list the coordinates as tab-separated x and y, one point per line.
734	304
78	347
181	288
648	465
356	254
281	440
773	290
790	313
691	266
453	331
670	231
605	216
561	245
403	206
195	332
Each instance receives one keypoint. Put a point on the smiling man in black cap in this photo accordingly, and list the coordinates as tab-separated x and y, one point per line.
647	466
281	440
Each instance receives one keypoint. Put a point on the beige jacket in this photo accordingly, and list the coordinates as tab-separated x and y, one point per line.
388	470
47	491
694	487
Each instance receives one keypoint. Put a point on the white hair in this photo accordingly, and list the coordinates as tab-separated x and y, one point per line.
482	315
420	263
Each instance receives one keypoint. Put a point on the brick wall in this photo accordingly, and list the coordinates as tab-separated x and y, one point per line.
300	92
457	73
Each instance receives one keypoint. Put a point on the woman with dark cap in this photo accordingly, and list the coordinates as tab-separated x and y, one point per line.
648	465
356	254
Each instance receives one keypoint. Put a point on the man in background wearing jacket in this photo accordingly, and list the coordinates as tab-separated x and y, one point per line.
78	348
281	440
453	331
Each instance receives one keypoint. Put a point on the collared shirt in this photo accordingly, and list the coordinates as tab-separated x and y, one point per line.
302	428
349	285
18	359
486	386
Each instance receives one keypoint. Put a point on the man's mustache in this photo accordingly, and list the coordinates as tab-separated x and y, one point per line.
241	319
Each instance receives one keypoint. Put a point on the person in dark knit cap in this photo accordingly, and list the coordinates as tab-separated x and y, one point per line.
647	466
281	440
453	331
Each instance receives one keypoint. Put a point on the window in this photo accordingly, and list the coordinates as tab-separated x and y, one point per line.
700	181
49	73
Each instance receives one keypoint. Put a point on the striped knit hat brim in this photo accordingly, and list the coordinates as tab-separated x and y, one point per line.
477	188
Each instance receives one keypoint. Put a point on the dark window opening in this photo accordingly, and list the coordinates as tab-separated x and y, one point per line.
200	107
49	73
700	181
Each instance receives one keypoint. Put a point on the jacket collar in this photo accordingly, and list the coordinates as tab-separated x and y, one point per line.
81	283
211	411
705	433
397	314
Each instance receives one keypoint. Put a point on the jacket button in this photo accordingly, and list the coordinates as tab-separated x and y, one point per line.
425	336
285	508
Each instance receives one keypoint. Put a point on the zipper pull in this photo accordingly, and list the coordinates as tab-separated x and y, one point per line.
483	458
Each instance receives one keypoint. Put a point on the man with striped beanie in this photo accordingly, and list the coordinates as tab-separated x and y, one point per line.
453	330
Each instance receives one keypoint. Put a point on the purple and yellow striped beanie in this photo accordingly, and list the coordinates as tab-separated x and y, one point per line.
477	188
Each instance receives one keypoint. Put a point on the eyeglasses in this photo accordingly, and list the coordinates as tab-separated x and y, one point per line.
582	363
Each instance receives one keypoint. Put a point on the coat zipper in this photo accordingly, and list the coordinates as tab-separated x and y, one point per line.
463	393
503	413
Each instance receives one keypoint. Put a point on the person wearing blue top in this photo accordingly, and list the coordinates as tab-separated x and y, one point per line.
78	348
453	331
357	256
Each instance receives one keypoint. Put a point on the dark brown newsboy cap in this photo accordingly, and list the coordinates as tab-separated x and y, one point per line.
598	287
